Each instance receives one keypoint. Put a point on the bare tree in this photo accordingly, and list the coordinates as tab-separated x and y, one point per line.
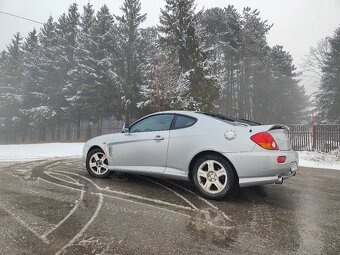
314	61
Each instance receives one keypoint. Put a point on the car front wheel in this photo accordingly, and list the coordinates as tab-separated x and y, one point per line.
213	176
97	164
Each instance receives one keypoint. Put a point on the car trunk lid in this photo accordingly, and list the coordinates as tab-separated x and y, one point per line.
279	132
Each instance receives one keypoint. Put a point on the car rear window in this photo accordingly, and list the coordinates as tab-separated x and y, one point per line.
184	121
231	120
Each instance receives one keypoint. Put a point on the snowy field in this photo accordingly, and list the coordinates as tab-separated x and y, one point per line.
29	152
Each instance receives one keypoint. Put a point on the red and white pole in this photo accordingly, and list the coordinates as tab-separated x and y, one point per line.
312	133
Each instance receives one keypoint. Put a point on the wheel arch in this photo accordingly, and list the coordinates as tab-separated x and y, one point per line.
200	154
93	147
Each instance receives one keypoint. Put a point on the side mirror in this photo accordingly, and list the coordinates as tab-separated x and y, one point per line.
126	128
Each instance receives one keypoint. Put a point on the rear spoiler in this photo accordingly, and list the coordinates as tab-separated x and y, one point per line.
278	126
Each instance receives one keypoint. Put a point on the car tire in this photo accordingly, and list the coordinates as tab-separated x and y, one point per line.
97	164
213	176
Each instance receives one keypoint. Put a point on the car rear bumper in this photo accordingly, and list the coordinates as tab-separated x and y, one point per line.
261	167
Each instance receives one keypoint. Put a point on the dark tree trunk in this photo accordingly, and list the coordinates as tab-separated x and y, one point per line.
78	129
68	131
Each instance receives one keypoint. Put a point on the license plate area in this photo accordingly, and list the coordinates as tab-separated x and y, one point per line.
294	166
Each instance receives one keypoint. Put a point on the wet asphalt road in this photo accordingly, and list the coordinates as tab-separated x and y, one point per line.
55	207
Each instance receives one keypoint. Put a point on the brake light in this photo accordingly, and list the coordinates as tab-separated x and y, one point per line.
265	140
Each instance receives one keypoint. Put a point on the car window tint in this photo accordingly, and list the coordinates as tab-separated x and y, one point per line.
153	123
184	121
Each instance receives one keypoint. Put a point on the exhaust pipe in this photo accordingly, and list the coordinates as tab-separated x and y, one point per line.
279	180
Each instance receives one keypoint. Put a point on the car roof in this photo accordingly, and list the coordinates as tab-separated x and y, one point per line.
189	113
210	116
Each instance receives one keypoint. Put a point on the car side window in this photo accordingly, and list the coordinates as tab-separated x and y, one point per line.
153	123
184	121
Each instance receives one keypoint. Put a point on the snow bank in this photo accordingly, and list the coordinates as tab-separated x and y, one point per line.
316	159
29	152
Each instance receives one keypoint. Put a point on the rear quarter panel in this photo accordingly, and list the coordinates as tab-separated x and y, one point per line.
206	135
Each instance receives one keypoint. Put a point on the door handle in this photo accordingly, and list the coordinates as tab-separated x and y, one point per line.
158	138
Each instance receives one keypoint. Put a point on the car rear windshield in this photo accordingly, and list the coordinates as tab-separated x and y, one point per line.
231	120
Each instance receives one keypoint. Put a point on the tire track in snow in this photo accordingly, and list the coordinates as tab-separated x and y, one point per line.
69	230
74	224
202	208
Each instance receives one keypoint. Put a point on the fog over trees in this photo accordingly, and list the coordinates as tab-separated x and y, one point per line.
93	65
324	62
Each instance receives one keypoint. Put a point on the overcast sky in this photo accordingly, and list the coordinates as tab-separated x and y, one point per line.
298	24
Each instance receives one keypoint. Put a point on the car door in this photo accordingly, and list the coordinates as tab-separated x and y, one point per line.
144	148
184	139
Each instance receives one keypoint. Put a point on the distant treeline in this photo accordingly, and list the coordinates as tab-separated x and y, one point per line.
93	65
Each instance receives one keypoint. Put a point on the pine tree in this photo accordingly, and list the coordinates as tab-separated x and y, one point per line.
328	98
81	72
48	70
3	86
179	36
34	106
11	89
66	35
220	30
256	82
174	92
108	84
129	58
94	91
286	98
149	50
253	54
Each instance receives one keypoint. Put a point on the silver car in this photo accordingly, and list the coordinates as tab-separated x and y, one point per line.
215	152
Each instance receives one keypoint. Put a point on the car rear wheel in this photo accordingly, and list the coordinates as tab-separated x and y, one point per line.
213	176
97	164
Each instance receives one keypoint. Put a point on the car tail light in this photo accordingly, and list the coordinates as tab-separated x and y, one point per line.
265	140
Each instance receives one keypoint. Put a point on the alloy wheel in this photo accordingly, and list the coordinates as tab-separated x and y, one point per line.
98	163
212	176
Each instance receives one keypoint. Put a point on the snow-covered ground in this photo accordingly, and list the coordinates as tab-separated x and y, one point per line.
29	152
314	159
